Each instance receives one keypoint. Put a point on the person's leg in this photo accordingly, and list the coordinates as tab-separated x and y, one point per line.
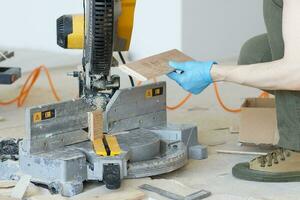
288	117
266	47
283	164
287	102
273	10
255	50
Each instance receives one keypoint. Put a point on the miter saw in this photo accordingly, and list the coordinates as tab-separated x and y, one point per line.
138	141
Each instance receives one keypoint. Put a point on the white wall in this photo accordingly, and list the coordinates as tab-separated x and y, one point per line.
216	29
205	29
32	23
157	27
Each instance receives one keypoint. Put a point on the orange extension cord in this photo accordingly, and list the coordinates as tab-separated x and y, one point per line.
32	78
262	95
29	83
219	99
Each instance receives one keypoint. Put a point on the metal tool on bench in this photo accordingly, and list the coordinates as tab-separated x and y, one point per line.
57	151
8	75
201	194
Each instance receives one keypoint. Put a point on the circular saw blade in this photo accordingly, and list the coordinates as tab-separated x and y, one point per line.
99	36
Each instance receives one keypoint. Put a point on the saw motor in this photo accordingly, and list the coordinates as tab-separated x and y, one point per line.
105	27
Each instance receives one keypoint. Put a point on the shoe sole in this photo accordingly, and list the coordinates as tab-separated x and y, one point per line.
243	171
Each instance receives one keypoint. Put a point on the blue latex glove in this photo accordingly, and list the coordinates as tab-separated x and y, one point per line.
192	76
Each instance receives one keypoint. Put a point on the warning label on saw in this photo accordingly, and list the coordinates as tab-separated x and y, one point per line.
154	92
45	115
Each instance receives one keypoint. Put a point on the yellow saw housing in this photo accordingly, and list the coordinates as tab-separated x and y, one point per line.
76	38
70	28
126	21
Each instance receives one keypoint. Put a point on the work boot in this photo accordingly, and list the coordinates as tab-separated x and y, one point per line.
278	166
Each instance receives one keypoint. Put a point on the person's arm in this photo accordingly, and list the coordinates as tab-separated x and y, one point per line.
283	74
277	75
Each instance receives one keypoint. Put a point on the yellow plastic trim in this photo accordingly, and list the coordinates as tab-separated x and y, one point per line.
99	147
76	39
113	145
126	21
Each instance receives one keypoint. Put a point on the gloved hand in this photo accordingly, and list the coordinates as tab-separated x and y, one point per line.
192	76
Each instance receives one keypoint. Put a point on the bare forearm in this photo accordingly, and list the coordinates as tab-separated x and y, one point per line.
277	75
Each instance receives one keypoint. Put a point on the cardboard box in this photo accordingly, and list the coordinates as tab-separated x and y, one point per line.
258	122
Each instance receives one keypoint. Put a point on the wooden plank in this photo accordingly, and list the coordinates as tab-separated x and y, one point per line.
19	191
241	152
7	184
95	121
154	66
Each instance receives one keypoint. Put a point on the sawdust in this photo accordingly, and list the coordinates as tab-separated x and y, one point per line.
9	147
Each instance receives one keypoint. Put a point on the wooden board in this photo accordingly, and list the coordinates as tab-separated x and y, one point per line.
7	184
241	152
20	189
96	135
95	120
172	186
154	66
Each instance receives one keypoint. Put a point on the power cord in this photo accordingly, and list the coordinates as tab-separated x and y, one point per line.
29	83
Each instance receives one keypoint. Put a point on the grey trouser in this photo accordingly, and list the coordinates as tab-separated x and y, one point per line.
269	47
